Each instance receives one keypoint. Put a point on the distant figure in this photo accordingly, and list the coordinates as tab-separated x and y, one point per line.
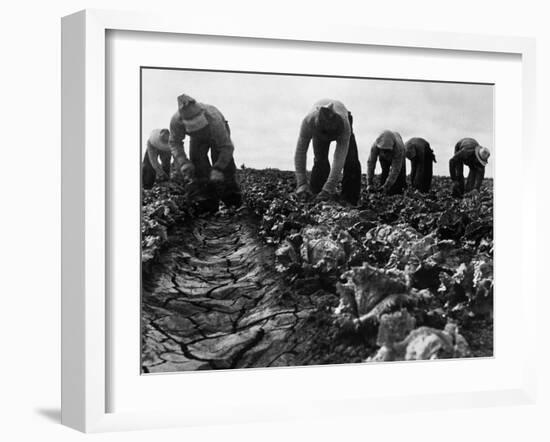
422	157
328	121
389	148
157	146
208	131
468	152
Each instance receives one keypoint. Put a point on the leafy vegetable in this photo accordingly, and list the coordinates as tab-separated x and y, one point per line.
398	276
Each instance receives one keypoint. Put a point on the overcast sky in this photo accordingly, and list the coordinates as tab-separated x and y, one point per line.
265	111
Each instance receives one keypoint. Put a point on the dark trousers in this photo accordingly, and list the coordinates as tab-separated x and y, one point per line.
473	181
351	181
421	173
475	178
401	181
206	192
148	174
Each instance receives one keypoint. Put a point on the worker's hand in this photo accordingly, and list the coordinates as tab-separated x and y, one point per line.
456	190
216	175
161	175
385	189
473	193
324	195
371	188
303	191
187	170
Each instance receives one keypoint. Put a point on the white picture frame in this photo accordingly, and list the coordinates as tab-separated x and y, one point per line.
85	218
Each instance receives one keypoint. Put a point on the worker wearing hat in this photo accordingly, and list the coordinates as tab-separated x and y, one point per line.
468	152
208	131
328	120
422	157
157	146
390	150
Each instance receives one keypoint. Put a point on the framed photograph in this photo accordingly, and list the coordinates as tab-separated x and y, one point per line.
265	222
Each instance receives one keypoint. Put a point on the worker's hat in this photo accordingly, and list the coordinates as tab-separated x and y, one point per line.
482	154
191	114
158	137
386	140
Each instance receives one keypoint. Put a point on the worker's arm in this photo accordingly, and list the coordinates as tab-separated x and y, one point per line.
177	135
480	174
300	156
153	154
456	169
414	166
396	163
371	164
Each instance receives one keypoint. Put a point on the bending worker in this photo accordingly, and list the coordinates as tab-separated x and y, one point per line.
468	152
422	157
328	121
208	131
389	148
157	146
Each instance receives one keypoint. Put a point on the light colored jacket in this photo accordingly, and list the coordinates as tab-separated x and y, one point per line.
398	158
218	137
154	147
310	129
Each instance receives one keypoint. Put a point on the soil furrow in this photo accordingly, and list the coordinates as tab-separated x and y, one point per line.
221	310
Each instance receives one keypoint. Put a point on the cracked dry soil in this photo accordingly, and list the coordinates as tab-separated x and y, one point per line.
215	301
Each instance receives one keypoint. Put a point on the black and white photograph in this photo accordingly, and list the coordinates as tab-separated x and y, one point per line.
302	220
275	221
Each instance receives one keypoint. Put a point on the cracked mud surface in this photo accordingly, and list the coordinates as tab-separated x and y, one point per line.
215	301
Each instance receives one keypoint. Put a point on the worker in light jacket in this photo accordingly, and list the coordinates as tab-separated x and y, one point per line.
390	150
208	132
422	157
469	153
329	120
157	147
